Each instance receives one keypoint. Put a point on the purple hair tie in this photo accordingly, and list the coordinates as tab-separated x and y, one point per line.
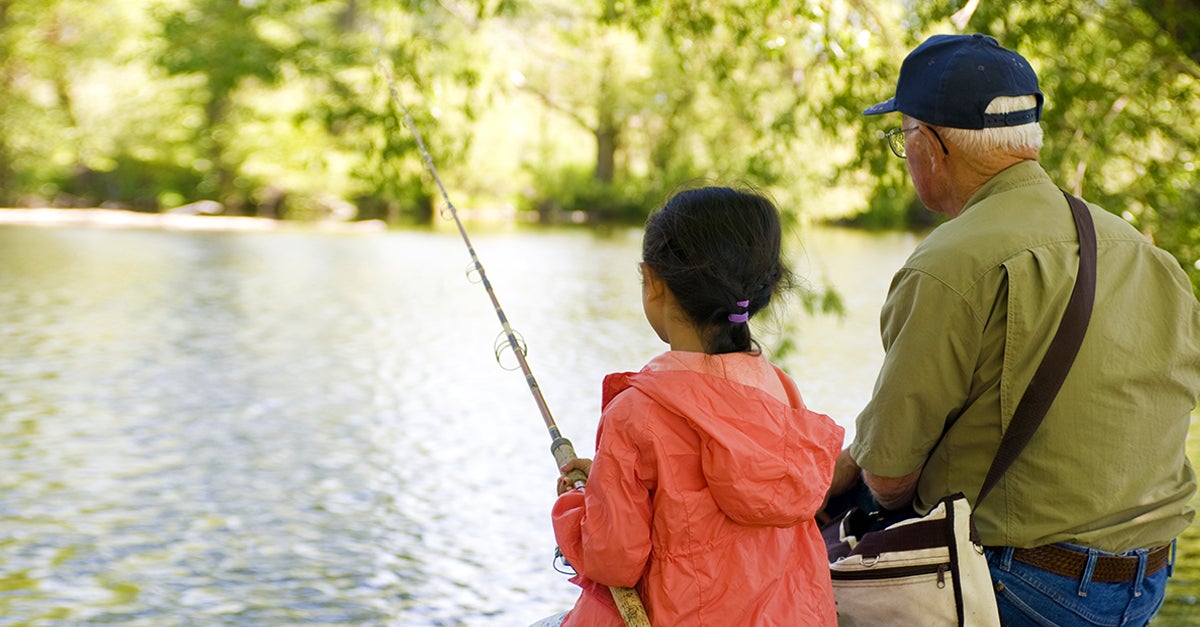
741	317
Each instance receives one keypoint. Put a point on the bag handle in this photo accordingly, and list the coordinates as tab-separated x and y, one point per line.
1049	377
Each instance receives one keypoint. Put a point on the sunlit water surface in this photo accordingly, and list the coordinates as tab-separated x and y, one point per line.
304	428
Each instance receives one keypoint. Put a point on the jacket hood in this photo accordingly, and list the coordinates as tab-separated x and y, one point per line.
766	463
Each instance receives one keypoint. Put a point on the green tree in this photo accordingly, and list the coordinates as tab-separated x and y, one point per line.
670	91
7	104
222	45
432	52
341	53
605	105
46	49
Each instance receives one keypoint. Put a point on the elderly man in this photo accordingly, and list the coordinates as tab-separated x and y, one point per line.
1080	529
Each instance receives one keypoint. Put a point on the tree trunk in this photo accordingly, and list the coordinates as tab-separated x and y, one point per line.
607	129
606	150
226	190
6	172
348	18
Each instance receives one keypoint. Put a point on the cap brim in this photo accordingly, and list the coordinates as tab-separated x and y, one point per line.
887	106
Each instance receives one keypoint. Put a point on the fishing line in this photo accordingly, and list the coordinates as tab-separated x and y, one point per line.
629	605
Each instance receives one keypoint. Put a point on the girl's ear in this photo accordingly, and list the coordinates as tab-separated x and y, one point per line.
652	285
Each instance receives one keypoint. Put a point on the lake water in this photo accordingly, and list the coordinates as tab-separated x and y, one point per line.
291	428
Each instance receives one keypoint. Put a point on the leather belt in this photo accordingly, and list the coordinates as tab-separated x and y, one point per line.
1109	568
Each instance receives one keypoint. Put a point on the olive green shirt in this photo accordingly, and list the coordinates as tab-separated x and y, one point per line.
965	324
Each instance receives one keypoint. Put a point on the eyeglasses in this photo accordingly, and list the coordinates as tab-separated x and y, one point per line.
895	140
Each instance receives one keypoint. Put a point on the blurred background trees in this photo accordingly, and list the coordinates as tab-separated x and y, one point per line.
562	110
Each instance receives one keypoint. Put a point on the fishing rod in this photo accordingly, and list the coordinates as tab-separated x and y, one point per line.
628	602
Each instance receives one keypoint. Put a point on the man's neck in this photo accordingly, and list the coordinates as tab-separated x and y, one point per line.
968	175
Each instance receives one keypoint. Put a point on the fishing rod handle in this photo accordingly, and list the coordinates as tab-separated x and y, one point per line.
629	604
563	453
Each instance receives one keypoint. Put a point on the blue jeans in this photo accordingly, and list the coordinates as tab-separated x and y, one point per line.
1027	595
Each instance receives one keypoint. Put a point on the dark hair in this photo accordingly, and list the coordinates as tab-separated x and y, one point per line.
714	247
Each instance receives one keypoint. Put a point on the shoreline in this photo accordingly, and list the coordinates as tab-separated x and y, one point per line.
125	219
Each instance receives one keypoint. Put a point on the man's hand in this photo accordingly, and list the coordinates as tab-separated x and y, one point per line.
892	492
845	475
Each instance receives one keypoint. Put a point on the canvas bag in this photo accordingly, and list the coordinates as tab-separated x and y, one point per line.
931	569
920	571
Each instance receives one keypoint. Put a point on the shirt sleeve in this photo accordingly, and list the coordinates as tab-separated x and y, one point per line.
931	338
603	530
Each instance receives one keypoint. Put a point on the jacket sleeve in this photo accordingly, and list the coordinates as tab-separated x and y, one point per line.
603	530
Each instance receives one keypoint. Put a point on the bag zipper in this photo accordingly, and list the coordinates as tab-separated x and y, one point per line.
892	573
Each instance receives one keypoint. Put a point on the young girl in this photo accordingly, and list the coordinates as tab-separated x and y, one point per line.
708	466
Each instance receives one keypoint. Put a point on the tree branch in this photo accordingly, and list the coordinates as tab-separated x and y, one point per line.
962	16
554	105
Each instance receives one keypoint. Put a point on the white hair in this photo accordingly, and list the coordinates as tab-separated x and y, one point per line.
999	138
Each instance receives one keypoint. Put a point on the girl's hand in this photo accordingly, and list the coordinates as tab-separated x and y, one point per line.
565	483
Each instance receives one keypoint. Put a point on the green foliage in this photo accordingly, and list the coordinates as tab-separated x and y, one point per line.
1175	224
241	53
278	106
140	184
892	208
390	184
46	47
572	194
824	300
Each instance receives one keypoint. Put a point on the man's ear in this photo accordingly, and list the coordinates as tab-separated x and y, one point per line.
936	154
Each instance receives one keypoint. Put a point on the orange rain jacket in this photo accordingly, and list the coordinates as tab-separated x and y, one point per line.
707	474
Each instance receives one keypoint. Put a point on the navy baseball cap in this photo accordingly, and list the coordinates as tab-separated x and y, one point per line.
949	80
